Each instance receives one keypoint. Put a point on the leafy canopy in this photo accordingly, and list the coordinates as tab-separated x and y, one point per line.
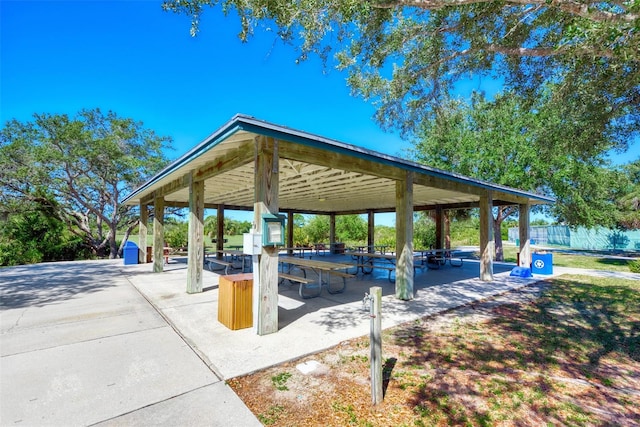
408	56
87	163
505	142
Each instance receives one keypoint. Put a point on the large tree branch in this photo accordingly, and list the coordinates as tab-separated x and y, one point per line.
573	7
517	51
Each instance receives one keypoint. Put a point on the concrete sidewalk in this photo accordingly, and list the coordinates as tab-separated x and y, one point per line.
81	346
97	342
305	325
311	325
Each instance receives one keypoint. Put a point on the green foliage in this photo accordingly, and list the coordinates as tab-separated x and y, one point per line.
231	226
385	235
634	266
37	234
424	231
87	163
628	196
508	142
211	226
408	56
317	229
280	381
465	233
176	235
351	228
300	234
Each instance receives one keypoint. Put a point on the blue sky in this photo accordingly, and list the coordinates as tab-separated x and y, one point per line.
132	58
141	62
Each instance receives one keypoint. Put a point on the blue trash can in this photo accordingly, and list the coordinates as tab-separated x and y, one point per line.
542	263
130	253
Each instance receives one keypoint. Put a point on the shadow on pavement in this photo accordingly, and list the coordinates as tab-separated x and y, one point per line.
49	283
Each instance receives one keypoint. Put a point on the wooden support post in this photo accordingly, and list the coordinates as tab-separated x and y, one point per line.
195	259
290	229
220	230
439	227
371	230
404	238
142	234
332	230
523	232
158	235
375	340
486	237
265	289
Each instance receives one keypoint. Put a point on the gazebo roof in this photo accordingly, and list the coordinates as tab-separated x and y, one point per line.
315	174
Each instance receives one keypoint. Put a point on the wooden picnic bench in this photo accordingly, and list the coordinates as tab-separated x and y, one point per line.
434	258
366	262
224	264
320	268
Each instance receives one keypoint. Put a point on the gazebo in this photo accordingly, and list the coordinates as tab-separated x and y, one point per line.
250	164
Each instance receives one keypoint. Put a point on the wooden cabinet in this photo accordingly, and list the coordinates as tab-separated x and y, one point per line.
235	301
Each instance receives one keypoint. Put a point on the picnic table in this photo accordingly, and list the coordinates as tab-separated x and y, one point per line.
366	262
227	261
372	248
321	268
434	258
299	249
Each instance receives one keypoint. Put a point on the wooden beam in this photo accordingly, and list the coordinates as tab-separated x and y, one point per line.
336	160
173	204
142	234
404	238
439	227
332	228
265	289
220	230
195	260
158	235
486	238
523	229
289	229
444	183
229	161
371	228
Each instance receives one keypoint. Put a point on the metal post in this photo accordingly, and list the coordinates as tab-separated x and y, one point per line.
375	339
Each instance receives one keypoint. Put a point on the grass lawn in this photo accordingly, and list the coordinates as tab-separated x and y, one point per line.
586	260
565	351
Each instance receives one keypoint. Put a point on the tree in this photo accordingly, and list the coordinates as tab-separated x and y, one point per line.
317	228
424	231
88	163
505	142
211	226
352	228
176	233
628	198
408	56
35	233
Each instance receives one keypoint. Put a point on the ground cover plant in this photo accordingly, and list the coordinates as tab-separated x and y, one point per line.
565	351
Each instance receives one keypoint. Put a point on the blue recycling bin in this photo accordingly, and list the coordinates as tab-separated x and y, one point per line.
130	253
542	263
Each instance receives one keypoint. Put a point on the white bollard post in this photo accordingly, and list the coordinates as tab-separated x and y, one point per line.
375	339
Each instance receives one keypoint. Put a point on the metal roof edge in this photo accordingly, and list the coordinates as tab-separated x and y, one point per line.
251	124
